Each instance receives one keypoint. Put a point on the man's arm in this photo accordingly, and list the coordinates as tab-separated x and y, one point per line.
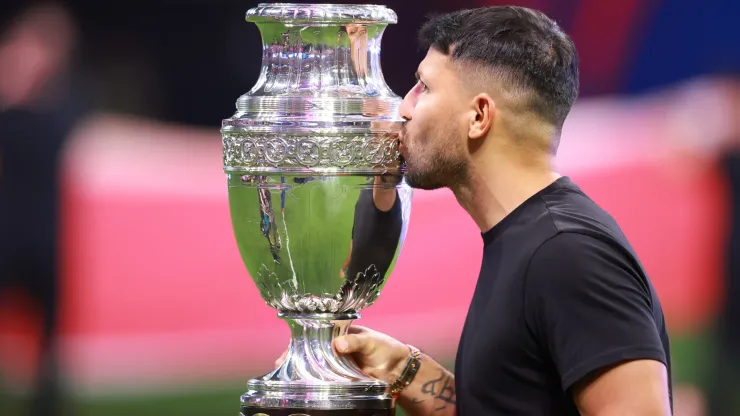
633	388
432	390
591	308
431	393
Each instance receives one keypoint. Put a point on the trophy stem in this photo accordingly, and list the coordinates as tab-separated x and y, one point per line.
311	354
315	377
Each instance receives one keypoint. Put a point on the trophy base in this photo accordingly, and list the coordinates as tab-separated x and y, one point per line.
330	399
295	411
314	380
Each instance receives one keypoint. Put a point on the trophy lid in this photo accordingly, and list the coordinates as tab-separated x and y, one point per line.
321	13
317	72
321	103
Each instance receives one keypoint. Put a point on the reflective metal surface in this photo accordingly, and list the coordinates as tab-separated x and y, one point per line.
316	193
318	244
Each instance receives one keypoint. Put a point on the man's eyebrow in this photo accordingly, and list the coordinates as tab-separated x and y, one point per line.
416	74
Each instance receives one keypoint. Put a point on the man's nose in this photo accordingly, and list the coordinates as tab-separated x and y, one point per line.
406	107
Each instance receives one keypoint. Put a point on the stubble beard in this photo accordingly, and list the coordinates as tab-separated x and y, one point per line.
437	169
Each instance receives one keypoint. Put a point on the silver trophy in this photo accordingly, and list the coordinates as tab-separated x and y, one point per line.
317	198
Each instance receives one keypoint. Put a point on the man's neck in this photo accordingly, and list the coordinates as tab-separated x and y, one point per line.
491	193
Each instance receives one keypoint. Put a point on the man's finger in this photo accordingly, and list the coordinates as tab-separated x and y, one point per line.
352	343
357	329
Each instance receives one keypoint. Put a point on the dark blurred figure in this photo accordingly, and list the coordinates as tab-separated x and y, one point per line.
38	109
723	397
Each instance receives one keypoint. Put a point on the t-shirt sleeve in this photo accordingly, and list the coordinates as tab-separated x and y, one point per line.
589	306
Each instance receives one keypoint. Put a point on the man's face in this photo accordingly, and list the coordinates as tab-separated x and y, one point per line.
434	137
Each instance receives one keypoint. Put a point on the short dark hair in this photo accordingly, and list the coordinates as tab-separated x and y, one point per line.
535	53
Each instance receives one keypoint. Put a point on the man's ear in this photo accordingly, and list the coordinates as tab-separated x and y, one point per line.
482	116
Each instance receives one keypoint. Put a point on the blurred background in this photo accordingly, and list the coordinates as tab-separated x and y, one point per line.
121	287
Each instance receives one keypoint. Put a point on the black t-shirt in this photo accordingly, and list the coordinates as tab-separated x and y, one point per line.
561	293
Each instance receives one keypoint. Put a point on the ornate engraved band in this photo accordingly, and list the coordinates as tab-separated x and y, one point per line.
374	154
408	374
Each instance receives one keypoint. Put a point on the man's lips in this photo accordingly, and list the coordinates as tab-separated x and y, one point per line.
401	146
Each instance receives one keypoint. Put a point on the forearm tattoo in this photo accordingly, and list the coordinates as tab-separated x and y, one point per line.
442	389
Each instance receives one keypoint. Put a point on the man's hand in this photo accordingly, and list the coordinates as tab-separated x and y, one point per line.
635	388
376	354
380	356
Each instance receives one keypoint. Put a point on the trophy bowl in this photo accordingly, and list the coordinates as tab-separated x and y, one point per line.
318	203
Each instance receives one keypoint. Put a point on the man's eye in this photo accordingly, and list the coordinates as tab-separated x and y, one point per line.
423	86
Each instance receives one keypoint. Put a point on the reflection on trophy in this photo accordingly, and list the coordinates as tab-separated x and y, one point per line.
318	203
